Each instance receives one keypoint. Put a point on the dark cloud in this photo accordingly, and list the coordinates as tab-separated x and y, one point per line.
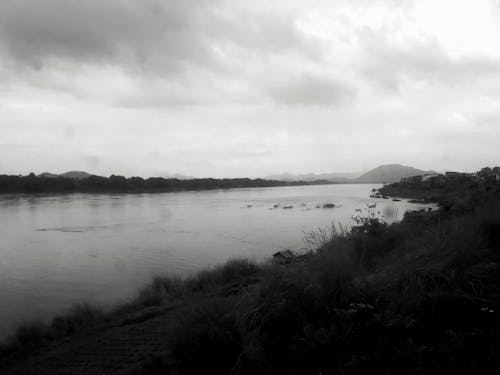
116	32
152	34
174	52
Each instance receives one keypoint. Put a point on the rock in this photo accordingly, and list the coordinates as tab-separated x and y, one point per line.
290	256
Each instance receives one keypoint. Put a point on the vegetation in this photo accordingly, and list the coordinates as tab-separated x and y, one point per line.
389	173
416	297
119	184
453	190
31	336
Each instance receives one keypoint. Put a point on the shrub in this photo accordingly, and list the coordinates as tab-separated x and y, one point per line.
232	271
79	317
207	339
160	290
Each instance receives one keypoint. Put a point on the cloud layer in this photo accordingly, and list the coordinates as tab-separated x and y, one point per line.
233	88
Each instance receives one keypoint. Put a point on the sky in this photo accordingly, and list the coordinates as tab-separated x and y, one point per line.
230	88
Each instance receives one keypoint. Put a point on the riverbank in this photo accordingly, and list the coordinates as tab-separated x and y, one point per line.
32	184
420	296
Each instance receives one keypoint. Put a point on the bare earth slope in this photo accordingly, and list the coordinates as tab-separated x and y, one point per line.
120	347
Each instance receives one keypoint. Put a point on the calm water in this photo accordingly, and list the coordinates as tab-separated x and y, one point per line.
60	250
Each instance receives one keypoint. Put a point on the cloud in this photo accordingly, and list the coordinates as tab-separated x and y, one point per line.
170	53
116	32
162	36
232	87
392	64
310	90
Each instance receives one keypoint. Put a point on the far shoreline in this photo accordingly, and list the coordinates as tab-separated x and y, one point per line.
180	190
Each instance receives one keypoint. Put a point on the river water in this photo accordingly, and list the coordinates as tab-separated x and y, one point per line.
59	250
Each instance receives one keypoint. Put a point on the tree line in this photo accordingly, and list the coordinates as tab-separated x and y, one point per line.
120	184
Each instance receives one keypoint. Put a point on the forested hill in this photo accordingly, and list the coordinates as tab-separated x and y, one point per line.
120	184
389	173
460	191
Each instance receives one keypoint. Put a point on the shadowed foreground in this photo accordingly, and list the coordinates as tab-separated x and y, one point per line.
416	297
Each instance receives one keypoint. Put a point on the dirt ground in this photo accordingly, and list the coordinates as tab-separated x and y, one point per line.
118	347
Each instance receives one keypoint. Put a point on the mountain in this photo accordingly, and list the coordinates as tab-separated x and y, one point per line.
177	176
382	174
389	173
48	175
77	175
334	177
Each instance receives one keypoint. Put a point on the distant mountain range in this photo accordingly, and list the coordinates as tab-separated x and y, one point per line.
382	174
390	173
334	177
77	175
80	175
177	176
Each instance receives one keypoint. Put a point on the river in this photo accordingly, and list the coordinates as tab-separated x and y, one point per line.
57	250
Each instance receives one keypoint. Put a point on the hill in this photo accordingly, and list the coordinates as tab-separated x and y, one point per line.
383	174
177	176
48	175
389	173
77	175
333	177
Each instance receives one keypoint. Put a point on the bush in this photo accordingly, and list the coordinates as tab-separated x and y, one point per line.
161	290
230	272
207	339
80	316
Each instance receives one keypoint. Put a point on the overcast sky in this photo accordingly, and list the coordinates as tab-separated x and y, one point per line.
248	88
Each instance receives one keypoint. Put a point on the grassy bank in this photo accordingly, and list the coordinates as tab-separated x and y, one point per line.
417	297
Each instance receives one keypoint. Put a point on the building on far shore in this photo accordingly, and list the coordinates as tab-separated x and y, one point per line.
419	178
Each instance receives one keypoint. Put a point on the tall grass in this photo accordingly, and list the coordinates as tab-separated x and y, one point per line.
392	299
222	275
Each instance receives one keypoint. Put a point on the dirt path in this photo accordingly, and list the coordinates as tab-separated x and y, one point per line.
117	348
